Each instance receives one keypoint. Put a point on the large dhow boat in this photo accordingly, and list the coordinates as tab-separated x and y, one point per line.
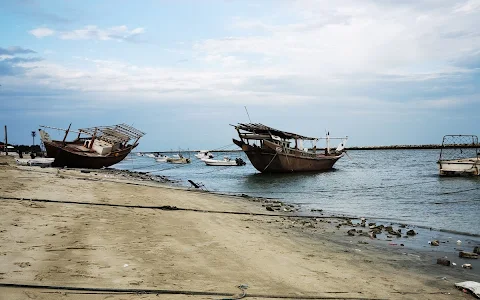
274	151
94	148
459	155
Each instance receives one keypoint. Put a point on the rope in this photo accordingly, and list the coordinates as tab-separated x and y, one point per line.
216	170
330	190
271	161
172	292
168	208
223	147
459	191
170	168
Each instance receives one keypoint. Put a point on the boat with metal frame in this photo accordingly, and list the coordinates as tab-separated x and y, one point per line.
271	150
93	148
459	155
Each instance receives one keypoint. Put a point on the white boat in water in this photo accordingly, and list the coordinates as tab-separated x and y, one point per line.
459	155
178	159
161	158
204	154
225	162
150	155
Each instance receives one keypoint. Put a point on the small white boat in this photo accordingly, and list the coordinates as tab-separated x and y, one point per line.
225	162
204	154
150	155
459	155
161	158
178	159
22	161
35	162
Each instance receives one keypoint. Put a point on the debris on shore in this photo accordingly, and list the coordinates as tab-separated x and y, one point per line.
142	176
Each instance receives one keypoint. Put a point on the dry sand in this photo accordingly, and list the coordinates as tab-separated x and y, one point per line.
61	244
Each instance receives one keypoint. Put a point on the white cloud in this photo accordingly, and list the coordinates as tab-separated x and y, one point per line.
468	7
345	37
311	51
91	32
94	33
42	32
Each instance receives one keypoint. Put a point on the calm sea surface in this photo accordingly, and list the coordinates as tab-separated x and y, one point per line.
400	186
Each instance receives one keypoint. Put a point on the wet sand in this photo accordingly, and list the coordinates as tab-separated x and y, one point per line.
193	248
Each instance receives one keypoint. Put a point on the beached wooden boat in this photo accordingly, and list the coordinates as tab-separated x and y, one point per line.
271	150
459	155
99	147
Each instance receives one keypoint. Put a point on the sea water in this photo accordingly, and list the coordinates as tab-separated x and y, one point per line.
401	186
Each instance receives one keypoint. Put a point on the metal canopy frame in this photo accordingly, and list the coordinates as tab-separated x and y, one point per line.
259	128
113	134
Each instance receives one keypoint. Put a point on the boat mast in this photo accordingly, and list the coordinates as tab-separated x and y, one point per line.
328	142
66	133
93	138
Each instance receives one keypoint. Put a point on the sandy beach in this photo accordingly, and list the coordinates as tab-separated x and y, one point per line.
186	244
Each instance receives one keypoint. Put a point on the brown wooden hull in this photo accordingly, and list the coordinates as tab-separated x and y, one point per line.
64	157
268	160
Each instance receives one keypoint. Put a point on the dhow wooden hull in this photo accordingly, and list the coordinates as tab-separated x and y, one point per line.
268	160
73	159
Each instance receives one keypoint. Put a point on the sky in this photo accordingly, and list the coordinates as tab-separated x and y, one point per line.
382	72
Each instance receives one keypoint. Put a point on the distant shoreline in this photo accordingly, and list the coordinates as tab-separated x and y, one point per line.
391	147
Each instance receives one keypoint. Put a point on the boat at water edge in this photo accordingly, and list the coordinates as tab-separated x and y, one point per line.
178	159
226	161
270	150
459	155
161	158
35	162
99	147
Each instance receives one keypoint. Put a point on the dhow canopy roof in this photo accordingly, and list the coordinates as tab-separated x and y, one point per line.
263	129
114	133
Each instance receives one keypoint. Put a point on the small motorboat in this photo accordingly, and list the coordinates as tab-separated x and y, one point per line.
35	162
161	158
204	154
225	162
459	155
178	159
150	155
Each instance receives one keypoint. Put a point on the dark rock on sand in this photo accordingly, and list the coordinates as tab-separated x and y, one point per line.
464	254
443	261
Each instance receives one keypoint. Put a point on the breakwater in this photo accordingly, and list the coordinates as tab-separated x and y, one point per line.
387	147
406	147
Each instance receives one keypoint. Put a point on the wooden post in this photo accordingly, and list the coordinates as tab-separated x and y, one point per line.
93	138
66	133
6	141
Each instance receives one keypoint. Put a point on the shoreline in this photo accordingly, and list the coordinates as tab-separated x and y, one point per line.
278	254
